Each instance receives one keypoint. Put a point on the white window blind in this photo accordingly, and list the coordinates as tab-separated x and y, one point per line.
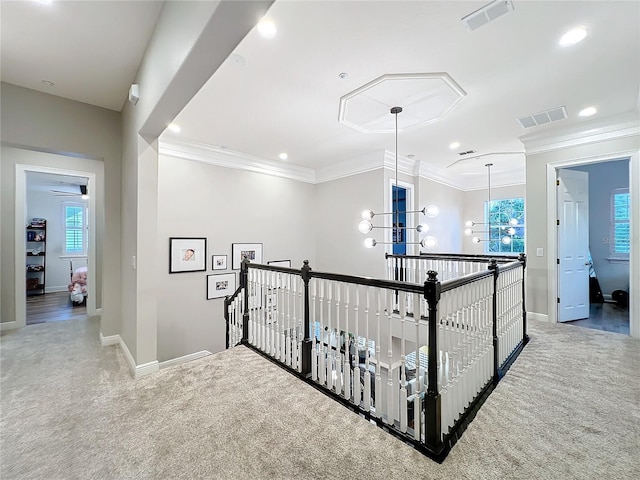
620	233
75	229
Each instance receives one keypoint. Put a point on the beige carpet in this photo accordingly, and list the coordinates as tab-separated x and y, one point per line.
70	409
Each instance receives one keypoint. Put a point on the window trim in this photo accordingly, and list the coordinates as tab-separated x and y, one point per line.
613	255
84	229
487	209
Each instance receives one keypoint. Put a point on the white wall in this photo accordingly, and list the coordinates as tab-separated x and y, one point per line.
338	208
604	178
448	225
38	121
47	205
225	206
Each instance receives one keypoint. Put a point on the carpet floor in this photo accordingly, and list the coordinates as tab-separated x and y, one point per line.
70	409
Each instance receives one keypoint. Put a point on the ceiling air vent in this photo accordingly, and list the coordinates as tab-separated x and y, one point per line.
540	118
467	152
484	15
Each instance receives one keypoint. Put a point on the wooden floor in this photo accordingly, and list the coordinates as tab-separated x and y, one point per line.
609	317
53	307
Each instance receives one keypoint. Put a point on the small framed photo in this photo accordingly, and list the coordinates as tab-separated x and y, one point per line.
187	254
253	251
280	263
220	285
219	262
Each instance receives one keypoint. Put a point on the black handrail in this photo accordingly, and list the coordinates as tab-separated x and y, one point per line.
454	256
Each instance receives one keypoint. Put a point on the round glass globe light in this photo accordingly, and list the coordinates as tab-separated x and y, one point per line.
367	214
429	242
506	240
432	211
511	231
475	239
468	232
513	221
369	242
468	223
365	226
422	228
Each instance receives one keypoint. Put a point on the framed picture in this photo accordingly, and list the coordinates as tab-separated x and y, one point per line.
220	285
187	254
280	263
253	251
219	262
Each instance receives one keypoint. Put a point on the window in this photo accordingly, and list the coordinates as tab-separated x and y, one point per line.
499	213
75	229
620	244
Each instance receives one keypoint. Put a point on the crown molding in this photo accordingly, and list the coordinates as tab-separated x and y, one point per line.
355	166
611	128
223	157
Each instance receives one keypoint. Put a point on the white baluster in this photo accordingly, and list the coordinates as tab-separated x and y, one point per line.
378	386
367	373
356	368
346	366
338	352
314	342
322	369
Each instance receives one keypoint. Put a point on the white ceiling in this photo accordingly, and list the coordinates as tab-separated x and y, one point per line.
90	50
286	97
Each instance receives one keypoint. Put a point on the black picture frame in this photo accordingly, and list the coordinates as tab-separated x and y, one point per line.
187	254
239	249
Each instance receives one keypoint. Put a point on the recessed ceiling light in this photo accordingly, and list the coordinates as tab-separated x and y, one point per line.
454	145
47	83
587	112
573	36
175	128
45	2
267	28
283	156
411	156
343	75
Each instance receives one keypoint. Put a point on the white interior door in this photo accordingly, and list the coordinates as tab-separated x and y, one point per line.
573	245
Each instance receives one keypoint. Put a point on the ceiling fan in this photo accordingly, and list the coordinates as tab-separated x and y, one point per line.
69	193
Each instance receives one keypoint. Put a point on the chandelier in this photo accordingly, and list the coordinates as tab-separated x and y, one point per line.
508	228
365	226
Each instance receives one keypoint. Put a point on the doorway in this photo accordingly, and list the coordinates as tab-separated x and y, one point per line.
34	181
607	248
56	247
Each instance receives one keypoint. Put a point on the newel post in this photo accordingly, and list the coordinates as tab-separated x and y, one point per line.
523	259
432	405
493	266
305	273
226	319
244	282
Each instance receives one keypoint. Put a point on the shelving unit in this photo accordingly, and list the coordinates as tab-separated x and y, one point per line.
36	252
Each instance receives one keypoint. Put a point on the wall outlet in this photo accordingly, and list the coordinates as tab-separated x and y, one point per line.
539	252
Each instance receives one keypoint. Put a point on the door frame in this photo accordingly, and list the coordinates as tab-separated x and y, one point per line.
20	248
633	156
411	224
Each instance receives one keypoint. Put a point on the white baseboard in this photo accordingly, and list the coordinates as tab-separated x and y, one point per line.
110	340
7	326
185	358
146	369
137	370
542	317
98	312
